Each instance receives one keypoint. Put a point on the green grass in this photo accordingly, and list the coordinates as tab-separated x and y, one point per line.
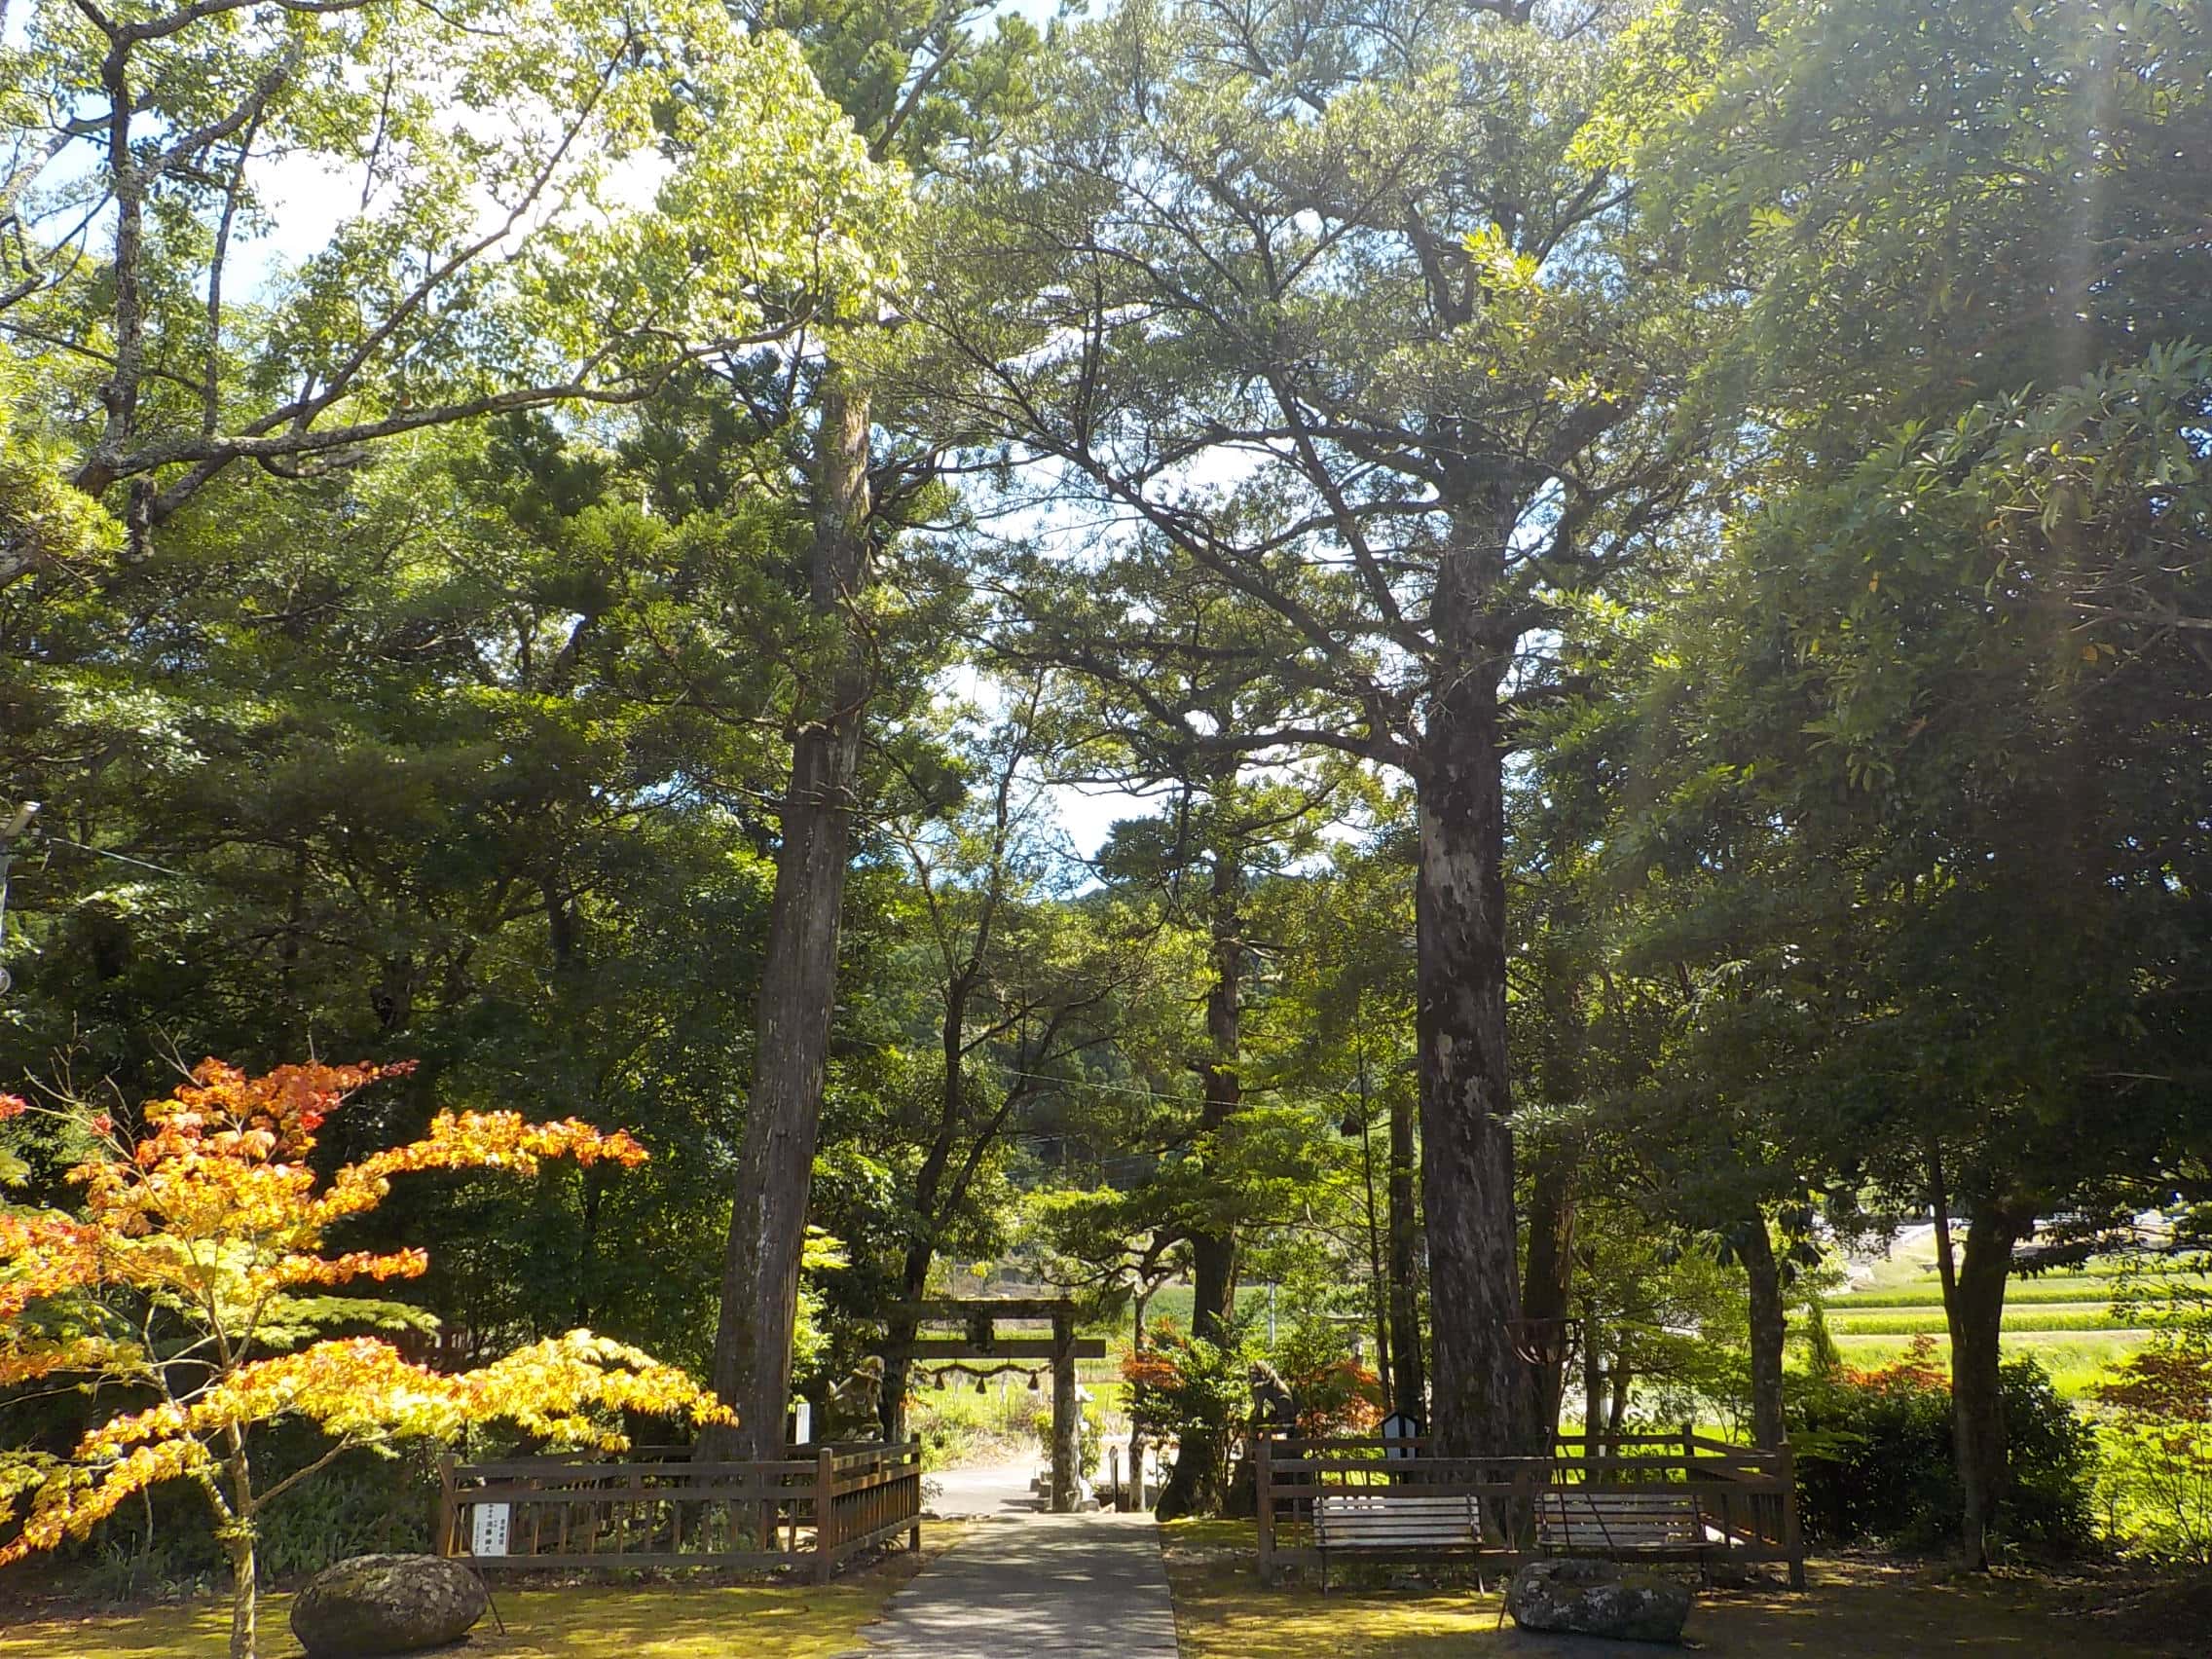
2064	1321
2021	1293
1907	1321
595	1621
1855	1609
1169	1302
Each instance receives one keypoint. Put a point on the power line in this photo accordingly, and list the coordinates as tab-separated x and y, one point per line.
122	858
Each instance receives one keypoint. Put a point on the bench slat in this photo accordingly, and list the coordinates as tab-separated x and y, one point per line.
1391	1521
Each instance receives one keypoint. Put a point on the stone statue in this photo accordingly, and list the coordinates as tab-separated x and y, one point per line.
1273	1405
854	1409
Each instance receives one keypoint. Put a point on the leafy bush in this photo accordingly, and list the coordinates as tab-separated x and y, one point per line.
361	1505
1193	1392
1875	1458
2159	1447
1336	1392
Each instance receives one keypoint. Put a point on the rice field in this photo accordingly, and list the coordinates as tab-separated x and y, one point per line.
2064	1321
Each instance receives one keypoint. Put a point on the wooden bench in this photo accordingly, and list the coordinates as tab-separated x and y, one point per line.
1390	1523
1659	1520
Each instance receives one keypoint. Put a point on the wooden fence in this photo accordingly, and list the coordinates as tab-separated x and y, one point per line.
810	1511
1737	1504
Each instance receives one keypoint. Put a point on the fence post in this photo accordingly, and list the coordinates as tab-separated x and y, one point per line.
1793	1539
825	1515
1263	1494
448	1511
915	1488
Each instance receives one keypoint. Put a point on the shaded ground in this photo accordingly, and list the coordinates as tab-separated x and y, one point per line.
1854	1610
1074	1585
660	1621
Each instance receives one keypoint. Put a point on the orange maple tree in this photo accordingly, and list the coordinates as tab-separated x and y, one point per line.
195	1272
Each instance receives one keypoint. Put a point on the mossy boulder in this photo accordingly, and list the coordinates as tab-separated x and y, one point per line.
376	1604
1597	1598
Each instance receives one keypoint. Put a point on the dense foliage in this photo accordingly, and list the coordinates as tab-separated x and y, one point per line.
1492	676
1875	1463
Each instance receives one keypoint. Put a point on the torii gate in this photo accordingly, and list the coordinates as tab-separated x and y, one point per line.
981	1341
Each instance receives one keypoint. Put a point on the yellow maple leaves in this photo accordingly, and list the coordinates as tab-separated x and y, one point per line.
204	1222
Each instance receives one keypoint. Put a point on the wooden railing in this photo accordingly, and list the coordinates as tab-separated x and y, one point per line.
1742	1504
811	1510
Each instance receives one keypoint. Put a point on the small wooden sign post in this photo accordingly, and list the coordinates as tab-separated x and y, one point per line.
1402	1427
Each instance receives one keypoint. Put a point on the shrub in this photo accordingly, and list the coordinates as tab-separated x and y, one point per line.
1876	1461
1340	1397
2159	1447
1336	1392
1193	1392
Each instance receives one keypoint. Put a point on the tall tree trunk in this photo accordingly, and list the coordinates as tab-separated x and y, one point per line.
1192	1486
1593	1379
1978	1406
1549	1280
1213	1254
928	1185
1377	1274
768	1231
1769	1333
1408	1377
1484	1401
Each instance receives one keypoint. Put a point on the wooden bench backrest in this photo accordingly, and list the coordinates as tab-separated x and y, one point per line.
1626	1519
1390	1519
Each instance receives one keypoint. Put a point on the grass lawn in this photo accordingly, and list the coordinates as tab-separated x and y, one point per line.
656	1621
1854	1610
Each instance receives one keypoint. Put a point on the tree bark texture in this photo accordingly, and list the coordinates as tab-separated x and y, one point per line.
1213	1253
1978	1406
1769	1330
929	1183
1549	1280
245	1596
1408	1373
1592	1377
1377	1274
759	1302
1484	1400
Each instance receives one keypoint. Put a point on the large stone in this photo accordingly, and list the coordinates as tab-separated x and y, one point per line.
1597	1598
376	1604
